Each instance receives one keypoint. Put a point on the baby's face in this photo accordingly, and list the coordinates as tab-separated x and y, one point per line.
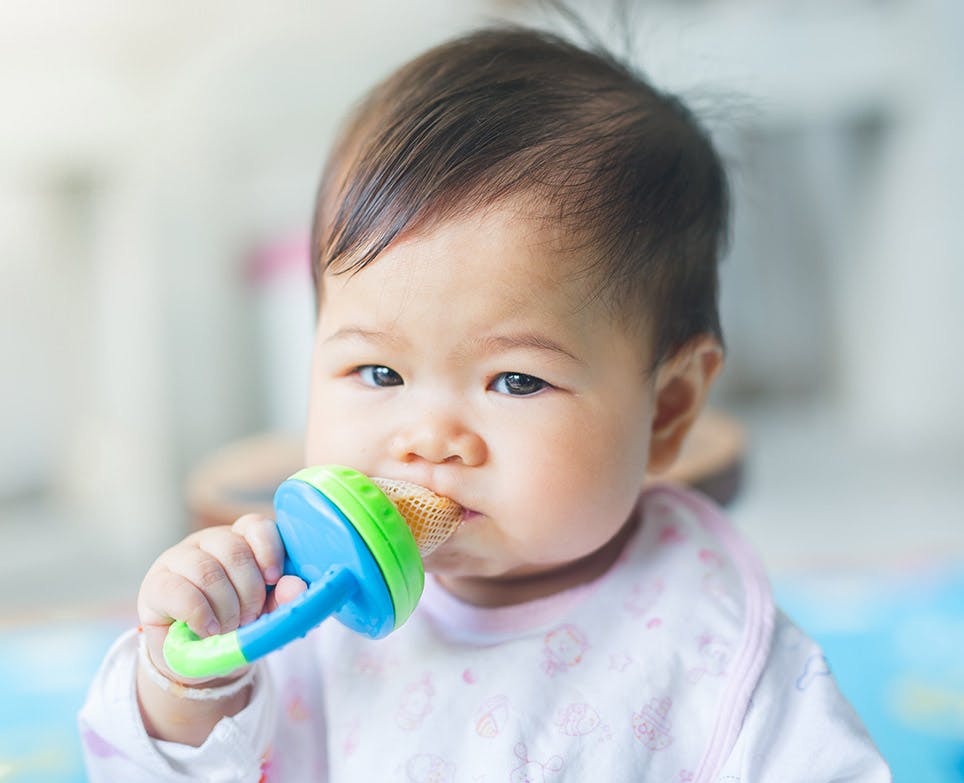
469	360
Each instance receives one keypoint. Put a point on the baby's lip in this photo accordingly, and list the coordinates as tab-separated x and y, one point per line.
468	514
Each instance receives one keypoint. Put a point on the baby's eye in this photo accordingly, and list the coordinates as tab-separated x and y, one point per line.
518	384
378	375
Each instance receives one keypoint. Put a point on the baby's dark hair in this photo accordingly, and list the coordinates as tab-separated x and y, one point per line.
501	112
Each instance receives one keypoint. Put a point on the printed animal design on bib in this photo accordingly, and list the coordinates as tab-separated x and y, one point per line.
416	704
492	717
564	648
715	655
533	771
577	720
643	597
650	725
426	768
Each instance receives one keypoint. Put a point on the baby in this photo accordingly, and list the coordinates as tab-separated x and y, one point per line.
515	249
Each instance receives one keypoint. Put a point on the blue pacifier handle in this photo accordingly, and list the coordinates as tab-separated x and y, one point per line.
293	620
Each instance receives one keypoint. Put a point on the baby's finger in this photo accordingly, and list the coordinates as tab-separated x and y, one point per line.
168	595
262	536
289	588
239	564
206	572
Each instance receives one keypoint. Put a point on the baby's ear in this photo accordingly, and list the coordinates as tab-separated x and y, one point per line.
682	384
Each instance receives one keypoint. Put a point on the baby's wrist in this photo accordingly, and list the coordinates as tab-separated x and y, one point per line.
204	691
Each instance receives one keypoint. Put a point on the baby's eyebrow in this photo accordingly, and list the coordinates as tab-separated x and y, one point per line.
359	333
489	344
506	342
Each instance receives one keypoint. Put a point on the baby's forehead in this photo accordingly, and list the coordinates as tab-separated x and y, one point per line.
505	265
522	229
516	239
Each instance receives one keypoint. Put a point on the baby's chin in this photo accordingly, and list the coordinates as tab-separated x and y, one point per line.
454	563
448	561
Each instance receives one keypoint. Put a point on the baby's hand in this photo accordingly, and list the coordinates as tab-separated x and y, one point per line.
214	580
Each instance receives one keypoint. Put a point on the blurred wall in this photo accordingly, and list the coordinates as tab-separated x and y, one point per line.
146	155
158	163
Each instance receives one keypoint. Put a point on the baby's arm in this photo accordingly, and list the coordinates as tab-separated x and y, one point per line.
799	727
214	580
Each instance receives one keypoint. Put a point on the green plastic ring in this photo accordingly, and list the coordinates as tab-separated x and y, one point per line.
381	527
213	656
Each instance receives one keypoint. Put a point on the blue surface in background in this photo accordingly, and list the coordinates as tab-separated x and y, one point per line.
44	673
894	641
895	645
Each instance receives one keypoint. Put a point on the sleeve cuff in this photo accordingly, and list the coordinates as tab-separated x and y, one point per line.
115	737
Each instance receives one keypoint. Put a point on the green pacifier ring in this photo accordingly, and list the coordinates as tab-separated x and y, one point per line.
190	656
381	527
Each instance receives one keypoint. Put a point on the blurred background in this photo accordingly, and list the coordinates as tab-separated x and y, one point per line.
157	170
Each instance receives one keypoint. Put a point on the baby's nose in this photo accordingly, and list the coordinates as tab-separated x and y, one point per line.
438	438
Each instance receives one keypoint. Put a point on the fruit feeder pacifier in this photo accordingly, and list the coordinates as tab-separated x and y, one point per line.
358	542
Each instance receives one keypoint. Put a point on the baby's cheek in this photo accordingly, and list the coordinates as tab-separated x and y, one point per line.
330	443
574	471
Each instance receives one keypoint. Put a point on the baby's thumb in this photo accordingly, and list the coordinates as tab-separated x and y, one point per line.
288	588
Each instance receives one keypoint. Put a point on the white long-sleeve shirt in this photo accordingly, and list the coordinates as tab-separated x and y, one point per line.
673	666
